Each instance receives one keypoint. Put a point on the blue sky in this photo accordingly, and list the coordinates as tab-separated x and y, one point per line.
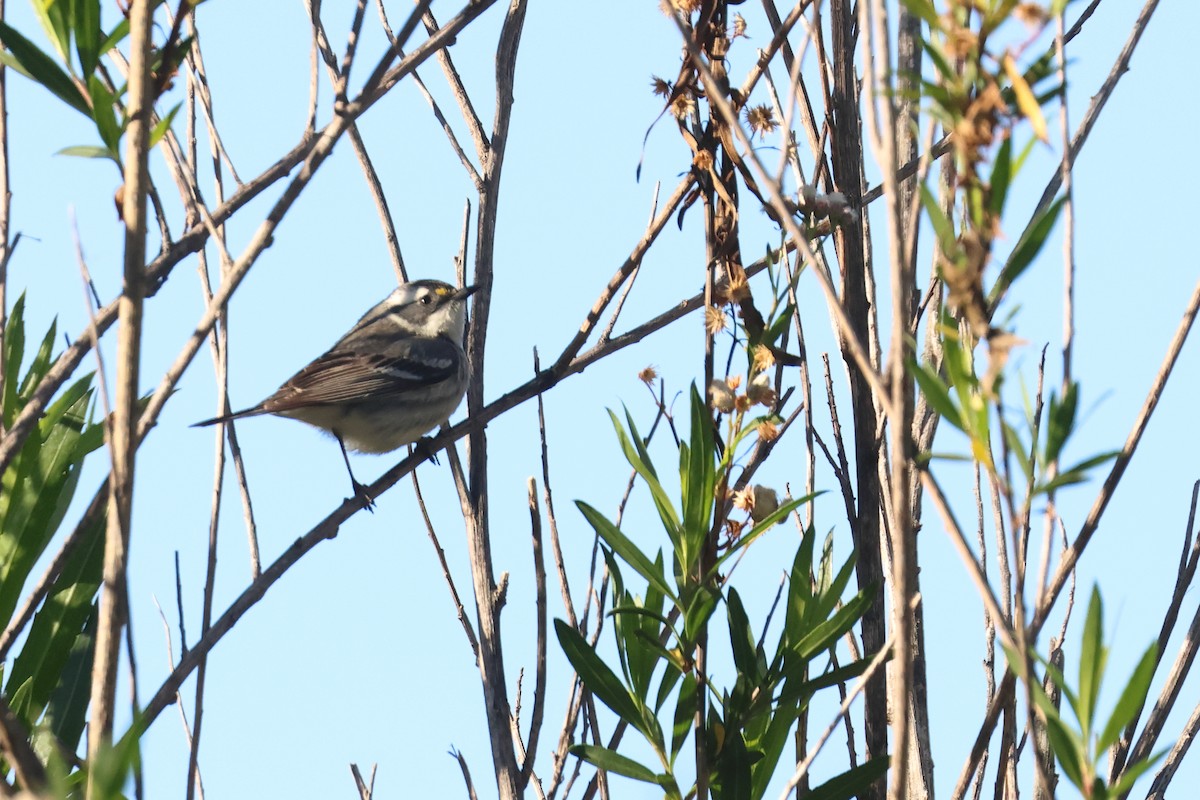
356	655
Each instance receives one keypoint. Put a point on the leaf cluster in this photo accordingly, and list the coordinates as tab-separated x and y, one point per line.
655	685
75	74
48	682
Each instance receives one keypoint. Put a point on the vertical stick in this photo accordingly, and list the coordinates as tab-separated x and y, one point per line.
847	173
122	434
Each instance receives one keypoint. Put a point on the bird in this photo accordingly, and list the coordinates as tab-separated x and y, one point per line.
397	374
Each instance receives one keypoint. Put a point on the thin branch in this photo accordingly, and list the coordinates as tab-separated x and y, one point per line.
366	789
313	151
123	432
466	773
539	688
328	527
18	752
459	610
1099	100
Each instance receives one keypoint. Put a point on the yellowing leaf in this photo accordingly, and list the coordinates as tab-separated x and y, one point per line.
979	450
1025	99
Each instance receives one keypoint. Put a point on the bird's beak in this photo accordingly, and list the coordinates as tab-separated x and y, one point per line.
465	292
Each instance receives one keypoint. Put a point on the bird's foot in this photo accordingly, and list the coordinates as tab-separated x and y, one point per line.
363	496
424	448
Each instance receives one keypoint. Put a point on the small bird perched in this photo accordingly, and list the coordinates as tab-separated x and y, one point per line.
397	374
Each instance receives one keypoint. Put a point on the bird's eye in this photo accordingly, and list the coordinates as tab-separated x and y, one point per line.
426	299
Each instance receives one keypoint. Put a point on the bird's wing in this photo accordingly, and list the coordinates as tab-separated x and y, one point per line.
361	372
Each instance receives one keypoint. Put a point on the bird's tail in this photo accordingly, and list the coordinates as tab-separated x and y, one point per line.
248	412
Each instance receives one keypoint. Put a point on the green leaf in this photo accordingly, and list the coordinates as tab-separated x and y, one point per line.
89	151
936	393
833	677
103	114
698	479
612	761
595	674
43	69
14	353
741	637
942	226
823	635
639	459
685	712
37	488
1027	248
732	779
38	367
87	34
62	618
53	16
851	783
1016	664
1002	172
829	597
625	548
944	68
66	712
698	611
1132	772
10	61
163	125
1132	698
1018	449
1067	748
1061	421
1091	662
1077	473
115	36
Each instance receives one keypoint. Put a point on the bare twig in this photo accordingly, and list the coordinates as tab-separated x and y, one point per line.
466	773
366	789
539	688
1099	100
18	752
123	439
459	610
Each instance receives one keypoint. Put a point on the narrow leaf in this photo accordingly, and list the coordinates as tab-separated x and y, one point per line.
1002	172
1061	421
1091	666
942	226
163	125
936	392
1026	102
639	459
851	783
596	675
1028	246
89	151
625	548
87	34
1132	698
42	68
1132	772
613	761
104	115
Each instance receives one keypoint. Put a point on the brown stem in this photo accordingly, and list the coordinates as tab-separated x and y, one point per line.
123	437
